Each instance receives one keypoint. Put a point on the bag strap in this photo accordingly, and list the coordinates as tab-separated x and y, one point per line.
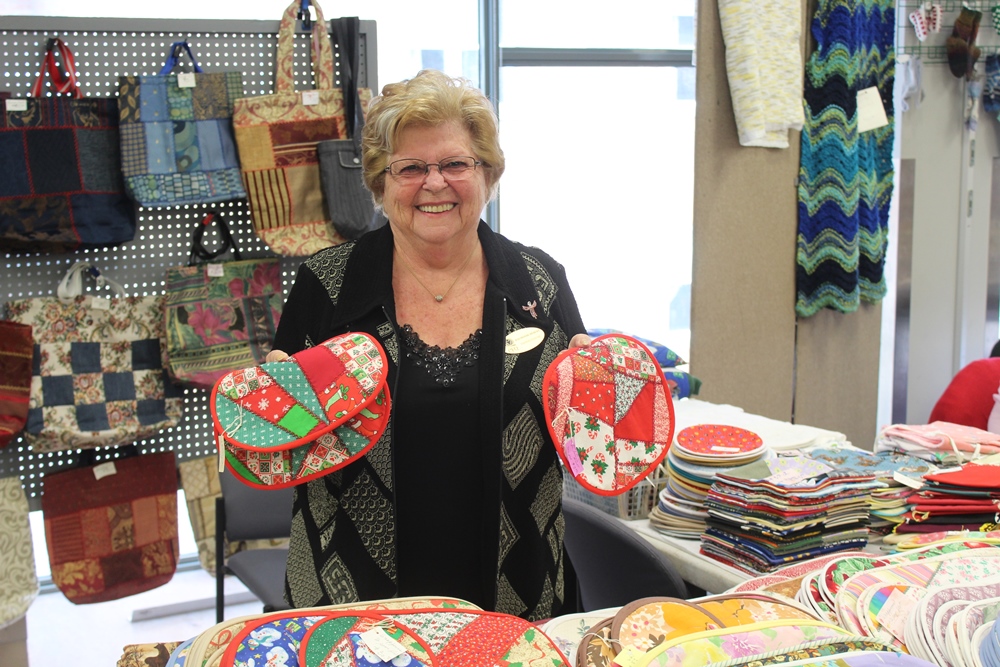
322	50
347	32
61	82
71	285
199	253
173	58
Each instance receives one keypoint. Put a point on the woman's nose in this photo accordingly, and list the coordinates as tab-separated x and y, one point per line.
434	179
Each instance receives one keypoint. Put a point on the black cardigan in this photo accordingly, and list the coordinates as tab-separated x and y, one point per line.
343	530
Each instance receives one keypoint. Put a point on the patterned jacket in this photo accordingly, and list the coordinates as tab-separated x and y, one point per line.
343	545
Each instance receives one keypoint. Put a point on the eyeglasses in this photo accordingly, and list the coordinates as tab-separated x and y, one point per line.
456	168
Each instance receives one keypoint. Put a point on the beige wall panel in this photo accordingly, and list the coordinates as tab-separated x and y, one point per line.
836	380
743	283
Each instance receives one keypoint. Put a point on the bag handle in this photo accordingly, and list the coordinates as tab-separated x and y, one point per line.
322	50
347	31
62	83
71	285
199	253
173	58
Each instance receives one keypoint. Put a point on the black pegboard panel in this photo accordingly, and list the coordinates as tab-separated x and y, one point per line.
106	49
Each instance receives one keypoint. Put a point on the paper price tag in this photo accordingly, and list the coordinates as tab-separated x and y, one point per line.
105	470
572	457
221	448
381	644
215	270
17	105
894	612
186	80
310	98
907	481
871	111
720	448
523	340
100	303
630	656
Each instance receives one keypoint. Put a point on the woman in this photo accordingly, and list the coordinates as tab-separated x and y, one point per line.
461	496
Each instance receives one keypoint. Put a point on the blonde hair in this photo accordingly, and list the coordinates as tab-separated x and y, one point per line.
429	98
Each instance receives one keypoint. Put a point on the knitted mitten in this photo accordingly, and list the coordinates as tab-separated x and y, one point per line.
961	46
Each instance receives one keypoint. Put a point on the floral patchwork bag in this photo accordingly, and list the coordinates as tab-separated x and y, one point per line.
219	316
97	369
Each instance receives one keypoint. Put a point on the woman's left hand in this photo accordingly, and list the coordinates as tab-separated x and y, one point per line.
579	340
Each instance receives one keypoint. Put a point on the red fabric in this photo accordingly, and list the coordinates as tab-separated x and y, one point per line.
16	345
968	400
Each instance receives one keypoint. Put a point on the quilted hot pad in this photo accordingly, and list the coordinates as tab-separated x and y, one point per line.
609	412
285	422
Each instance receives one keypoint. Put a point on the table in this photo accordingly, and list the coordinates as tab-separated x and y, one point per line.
694	568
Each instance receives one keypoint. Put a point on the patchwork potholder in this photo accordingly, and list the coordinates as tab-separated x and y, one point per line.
646	623
285	422
609	412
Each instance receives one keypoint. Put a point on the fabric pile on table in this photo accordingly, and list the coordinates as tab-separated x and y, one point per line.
773	512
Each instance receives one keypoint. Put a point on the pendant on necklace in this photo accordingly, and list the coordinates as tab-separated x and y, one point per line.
439	298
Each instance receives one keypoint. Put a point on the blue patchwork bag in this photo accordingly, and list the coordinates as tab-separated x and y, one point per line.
177	142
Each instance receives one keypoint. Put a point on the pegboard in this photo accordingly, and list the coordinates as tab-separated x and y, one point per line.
104	50
933	50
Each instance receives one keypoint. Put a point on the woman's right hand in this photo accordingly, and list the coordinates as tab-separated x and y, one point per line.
275	355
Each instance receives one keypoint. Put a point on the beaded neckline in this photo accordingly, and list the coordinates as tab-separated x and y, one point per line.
443	363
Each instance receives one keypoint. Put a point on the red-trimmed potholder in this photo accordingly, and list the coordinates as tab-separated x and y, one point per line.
609	411
285	422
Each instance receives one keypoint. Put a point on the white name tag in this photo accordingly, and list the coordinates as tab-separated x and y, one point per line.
17	105
215	270
523	340
186	80
105	470
310	98
100	303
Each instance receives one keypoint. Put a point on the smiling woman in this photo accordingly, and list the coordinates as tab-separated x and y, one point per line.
441	291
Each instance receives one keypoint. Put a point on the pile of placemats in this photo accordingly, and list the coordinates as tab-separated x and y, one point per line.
698	454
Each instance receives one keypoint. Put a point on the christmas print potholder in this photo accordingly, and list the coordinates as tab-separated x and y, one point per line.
285	422
609	411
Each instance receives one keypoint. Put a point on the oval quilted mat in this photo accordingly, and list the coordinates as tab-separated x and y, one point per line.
609	411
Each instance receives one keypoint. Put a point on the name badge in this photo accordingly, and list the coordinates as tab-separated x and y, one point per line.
523	340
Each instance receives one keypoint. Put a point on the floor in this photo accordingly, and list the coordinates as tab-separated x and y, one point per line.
61	633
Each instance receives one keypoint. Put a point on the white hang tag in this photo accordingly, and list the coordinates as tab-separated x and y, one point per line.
100	303
215	270
186	80
381	644
630	656
222	453
17	105
310	98
871	111
523	340
105	470
907	481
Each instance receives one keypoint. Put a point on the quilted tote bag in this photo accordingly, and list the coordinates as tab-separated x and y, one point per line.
97	369
286	422
18	582
177	142
61	185
219	316
277	135
111	528
15	378
609	412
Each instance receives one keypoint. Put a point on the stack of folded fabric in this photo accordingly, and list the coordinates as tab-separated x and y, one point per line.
773	512
965	497
943	443
901	473
699	453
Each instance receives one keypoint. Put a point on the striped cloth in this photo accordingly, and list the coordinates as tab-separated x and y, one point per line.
845	178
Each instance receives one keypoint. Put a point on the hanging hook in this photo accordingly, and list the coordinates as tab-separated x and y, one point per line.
304	15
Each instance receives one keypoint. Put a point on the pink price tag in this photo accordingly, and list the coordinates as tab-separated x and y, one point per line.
572	457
